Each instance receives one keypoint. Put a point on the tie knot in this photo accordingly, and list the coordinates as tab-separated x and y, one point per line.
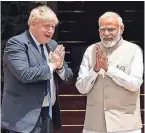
41	45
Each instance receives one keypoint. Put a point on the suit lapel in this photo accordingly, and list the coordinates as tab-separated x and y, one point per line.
33	47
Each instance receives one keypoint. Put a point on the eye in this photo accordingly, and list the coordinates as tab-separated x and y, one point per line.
53	27
111	29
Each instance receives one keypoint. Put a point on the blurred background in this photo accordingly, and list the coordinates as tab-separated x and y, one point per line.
78	28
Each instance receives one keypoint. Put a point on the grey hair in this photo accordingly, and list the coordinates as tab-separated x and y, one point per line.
109	14
42	13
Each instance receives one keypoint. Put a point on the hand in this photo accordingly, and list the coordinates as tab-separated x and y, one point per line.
59	50
57	60
101	59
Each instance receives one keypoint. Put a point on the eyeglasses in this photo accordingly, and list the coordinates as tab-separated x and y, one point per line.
109	29
48	27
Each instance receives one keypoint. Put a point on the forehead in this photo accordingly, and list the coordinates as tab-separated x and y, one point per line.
111	21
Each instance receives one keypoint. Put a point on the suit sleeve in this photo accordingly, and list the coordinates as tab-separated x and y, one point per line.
67	75
16	59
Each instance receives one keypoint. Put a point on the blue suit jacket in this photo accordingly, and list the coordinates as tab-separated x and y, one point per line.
25	81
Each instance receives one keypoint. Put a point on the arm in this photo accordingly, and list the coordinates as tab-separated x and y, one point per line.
15	58
133	80
65	74
87	76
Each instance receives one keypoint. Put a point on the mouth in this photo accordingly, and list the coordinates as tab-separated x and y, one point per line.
108	39
48	36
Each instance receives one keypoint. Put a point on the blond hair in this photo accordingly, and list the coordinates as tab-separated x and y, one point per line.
42	13
110	14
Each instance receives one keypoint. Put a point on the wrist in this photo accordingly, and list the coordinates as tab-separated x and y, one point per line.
96	70
59	69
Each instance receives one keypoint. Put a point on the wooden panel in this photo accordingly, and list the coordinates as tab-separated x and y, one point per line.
142	89
72	102
71	129
142	116
142	101
143	129
73	117
68	89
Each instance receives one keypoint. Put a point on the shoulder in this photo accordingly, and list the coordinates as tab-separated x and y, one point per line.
16	41
131	46
18	38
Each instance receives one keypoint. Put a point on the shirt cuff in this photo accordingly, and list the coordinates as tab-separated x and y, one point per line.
61	73
93	73
111	70
51	68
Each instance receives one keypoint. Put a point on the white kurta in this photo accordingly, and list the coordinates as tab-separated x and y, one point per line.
131	81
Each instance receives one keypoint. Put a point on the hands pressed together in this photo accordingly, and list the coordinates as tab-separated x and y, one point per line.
101	59
56	58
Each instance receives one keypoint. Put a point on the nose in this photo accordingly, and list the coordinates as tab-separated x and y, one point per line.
50	29
106	32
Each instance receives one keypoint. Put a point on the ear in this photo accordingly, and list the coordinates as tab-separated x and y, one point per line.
32	26
122	29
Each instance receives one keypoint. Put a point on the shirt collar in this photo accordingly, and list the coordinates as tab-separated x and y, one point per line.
35	40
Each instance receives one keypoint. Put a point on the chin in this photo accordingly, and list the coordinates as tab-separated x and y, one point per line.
109	44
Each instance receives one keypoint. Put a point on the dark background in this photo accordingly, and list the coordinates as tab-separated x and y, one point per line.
78	28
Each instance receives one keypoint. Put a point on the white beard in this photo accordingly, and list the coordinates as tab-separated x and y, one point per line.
109	44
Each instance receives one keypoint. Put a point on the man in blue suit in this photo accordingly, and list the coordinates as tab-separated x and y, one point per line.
32	64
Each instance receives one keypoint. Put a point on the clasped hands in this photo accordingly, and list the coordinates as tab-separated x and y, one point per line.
56	58
101	59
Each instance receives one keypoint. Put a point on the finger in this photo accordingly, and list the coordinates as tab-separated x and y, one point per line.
55	57
98	63
62	49
50	57
99	49
57	49
104	57
62	56
98	52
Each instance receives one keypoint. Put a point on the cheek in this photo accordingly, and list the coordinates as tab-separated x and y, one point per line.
53	31
115	34
100	34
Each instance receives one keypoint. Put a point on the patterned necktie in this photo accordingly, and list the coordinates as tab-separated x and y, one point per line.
48	84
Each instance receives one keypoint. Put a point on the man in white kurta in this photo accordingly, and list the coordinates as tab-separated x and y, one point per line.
111	75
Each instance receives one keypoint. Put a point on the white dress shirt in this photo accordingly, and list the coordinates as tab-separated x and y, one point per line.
52	83
131	81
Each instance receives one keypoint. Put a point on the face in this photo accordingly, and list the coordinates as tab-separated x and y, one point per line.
43	31
110	31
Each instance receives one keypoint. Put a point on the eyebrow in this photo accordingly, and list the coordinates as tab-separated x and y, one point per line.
107	27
